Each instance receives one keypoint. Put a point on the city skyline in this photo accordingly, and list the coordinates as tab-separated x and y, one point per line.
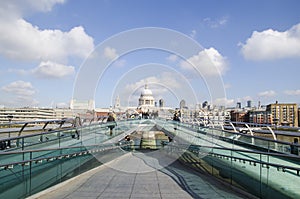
255	46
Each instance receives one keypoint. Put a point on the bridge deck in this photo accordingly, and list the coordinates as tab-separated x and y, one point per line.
248	162
131	176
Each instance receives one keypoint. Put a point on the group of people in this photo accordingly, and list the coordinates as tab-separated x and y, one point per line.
111	120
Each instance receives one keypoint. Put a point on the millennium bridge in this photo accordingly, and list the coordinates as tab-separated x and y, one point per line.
144	158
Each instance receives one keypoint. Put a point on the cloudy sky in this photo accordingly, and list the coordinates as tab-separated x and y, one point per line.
252	47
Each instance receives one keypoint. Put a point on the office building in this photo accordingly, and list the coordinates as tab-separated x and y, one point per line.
283	114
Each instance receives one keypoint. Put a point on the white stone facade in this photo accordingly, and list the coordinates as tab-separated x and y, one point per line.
146	99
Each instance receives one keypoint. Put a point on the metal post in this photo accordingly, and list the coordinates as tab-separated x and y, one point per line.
10	117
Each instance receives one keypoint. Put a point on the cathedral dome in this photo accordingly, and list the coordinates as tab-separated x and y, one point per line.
146	91
146	99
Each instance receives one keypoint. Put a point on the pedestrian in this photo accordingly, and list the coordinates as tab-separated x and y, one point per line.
294	147
176	119
111	122
77	125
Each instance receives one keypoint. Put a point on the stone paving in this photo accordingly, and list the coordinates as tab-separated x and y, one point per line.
131	176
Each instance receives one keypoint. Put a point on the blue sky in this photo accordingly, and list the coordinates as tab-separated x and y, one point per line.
255	45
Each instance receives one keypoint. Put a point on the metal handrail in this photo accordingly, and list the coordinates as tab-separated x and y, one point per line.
88	151
50	149
268	126
263	163
256	137
282	155
50	132
35	121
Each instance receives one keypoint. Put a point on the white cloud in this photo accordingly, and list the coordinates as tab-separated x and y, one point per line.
18	71
43	5
247	98
21	40
269	93
244	99
20	88
24	100
53	70
21	94
47	69
160	86
216	23
227	86
168	80
120	62
207	62
292	92
110	53
18	8
223	102
172	58
193	33
272	44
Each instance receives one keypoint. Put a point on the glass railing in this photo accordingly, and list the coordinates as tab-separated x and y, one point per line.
36	161
263	174
23	173
239	139
260	166
71	136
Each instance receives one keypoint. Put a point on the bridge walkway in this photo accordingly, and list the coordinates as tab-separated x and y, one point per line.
134	175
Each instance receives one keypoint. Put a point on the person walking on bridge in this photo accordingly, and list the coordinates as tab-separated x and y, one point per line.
176	119
111	122
77	125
